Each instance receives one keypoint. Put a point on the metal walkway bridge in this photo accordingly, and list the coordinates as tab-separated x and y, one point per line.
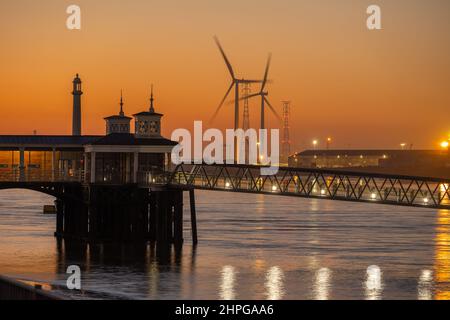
296	182
317	183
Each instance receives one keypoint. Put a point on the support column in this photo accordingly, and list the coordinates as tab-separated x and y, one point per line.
43	173
193	217
93	167
167	161
59	218
22	165
66	168
153	230
85	173
53	163
75	167
13	174
178	217
128	168
135	167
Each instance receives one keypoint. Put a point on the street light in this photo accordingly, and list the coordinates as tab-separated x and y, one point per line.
315	143
403	145
328	143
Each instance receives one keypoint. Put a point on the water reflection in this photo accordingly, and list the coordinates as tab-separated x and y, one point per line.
424	286
120	260
227	291
374	286
300	237
444	193
442	256
322	284
274	283
259	264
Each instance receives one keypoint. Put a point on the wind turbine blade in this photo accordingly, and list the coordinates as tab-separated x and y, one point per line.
266	74
222	102
227	62
248	81
272	108
250	96
243	98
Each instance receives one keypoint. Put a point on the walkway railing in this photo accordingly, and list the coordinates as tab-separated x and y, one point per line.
317	183
38	175
157	177
309	183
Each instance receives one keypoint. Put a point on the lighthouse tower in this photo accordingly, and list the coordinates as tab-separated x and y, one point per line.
76	117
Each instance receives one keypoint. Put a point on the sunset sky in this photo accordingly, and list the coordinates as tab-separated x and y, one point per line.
366	89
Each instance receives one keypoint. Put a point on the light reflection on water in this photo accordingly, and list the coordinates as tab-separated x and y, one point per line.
251	247
227	291
425	285
442	256
274	283
374	285
322	284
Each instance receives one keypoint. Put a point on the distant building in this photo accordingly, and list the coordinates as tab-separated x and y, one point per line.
368	158
118	157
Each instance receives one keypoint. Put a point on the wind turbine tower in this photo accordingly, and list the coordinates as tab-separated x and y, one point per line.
246	90
286	142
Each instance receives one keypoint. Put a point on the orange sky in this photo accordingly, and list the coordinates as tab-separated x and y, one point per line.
364	88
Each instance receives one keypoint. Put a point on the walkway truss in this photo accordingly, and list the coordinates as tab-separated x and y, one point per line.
317	183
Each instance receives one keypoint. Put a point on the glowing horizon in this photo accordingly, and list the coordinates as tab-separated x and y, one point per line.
365	89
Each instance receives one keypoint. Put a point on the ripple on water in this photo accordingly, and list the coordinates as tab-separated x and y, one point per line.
251	247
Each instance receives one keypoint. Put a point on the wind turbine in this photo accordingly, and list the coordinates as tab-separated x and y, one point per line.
264	100
235	82
263	94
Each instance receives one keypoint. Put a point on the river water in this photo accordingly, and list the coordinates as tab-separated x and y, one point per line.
250	247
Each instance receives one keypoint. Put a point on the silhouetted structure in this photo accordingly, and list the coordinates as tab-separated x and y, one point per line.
118	123
235	82
76	117
108	188
286	142
435	163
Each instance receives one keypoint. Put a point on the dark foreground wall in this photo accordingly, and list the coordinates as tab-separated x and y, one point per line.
14	290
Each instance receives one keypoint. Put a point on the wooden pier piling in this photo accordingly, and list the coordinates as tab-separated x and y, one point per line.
193	217
122	214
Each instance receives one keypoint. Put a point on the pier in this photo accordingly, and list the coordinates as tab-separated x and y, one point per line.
123	187
151	209
108	187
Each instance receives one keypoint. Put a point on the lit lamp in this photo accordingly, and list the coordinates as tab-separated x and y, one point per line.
403	145
328	143
328	148
315	143
444	145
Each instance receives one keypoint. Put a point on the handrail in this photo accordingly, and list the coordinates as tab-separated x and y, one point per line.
38	175
322	184
311	183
